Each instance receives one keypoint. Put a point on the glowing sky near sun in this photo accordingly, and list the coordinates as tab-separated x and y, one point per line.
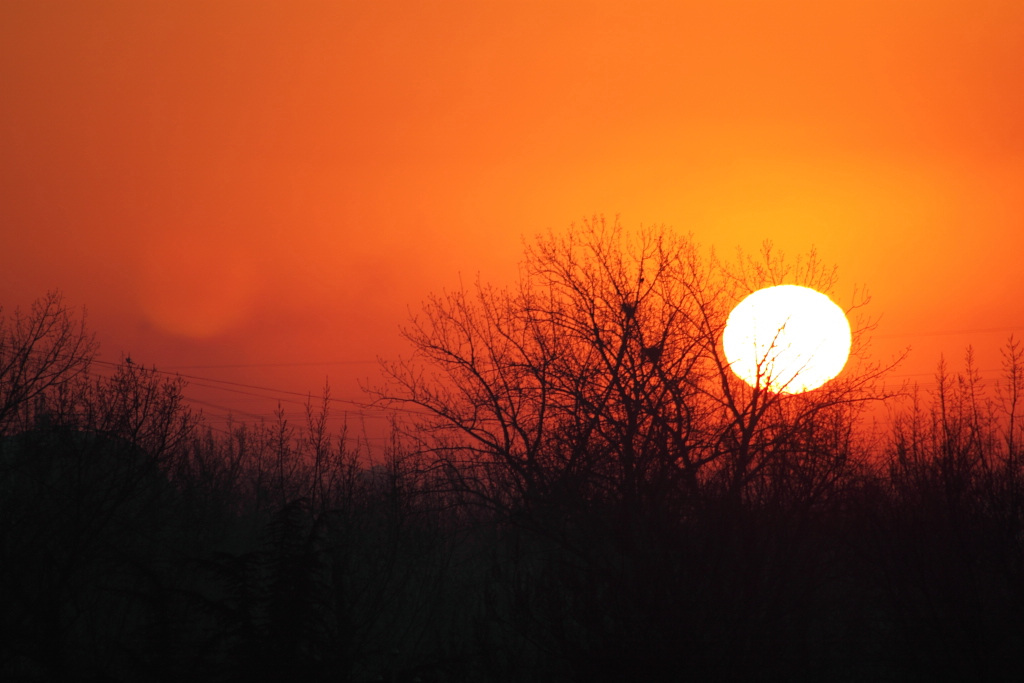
276	184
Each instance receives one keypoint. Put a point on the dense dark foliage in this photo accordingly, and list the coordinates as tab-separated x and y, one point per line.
583	493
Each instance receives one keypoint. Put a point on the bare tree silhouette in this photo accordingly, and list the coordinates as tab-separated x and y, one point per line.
601	376
590	409
581	490
41	351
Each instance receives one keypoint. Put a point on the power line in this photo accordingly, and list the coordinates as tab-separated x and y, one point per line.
272	365
228	411
275	392
941	333
367	410
363	409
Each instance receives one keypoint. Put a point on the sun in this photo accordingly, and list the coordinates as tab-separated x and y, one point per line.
787	339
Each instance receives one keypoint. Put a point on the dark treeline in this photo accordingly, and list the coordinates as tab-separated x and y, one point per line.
578	489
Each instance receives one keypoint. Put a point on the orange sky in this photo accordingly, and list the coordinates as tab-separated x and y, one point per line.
275	184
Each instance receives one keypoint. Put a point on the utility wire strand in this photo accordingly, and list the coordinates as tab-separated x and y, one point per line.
374	411
274	365
943	333
362	408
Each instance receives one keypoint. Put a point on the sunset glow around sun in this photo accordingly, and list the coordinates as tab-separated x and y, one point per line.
787	339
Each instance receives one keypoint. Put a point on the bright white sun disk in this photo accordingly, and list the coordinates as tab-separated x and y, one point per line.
787	339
